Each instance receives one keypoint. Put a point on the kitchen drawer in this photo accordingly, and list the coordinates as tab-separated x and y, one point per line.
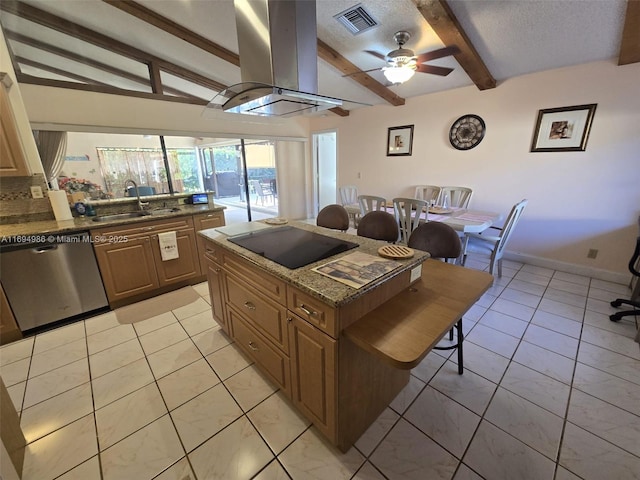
266	316
260	280
211	250
145	228
271	360
312	310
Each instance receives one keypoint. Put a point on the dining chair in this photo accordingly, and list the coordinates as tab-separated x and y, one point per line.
457	196
370	203
262	191
494	244
442	242
333	216
428	193
349	200
379	225
409	212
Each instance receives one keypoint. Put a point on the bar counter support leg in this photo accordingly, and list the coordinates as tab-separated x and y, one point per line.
460	340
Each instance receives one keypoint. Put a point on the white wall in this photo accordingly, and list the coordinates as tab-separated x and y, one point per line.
578	200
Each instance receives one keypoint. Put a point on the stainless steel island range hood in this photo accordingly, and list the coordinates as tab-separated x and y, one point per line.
278	49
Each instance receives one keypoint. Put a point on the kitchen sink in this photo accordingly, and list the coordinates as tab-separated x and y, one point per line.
120	216
163	211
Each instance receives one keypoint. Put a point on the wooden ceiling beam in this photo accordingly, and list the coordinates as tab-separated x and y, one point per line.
332	57
444	23
630	45
149	16
340	111
62	25
169	26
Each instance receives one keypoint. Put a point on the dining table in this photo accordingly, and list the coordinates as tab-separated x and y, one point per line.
461	219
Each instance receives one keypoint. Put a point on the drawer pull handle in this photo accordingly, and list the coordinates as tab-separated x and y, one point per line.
307	311
217	270
249	305
146	229
253	346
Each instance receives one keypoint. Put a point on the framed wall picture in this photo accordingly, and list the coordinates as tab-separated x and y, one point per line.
399	140
564	129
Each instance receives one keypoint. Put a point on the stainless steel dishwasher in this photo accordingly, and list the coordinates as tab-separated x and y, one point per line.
54	278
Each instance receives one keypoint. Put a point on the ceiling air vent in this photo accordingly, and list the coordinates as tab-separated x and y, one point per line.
356	19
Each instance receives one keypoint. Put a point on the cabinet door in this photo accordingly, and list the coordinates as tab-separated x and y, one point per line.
127	268
202	222
13	161
313	375
182	268
215	277
9	330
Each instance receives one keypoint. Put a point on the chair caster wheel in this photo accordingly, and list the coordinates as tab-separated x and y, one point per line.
616	303
615	317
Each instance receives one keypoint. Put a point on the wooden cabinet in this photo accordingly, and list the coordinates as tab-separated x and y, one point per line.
203	221
184	267
293	352
130	260
313	367
216	293
13	161
9	330
127	268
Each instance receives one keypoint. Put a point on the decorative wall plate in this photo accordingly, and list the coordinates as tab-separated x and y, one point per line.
467	132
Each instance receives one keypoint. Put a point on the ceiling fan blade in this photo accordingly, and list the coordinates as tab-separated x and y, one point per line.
442	71
361	71
377	55
441	52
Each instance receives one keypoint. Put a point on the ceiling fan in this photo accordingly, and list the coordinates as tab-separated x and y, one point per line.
402	63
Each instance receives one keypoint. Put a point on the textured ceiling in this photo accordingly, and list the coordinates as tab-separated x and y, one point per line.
513	37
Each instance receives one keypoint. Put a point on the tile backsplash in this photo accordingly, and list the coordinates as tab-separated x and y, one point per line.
16	203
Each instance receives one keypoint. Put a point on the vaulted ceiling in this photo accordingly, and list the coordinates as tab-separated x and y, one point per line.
186	50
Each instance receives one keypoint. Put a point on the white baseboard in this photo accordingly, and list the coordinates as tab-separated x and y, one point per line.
598	273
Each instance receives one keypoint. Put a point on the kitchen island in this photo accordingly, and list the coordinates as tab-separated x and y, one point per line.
310	334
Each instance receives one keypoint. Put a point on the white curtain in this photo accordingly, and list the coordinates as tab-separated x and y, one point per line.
52	147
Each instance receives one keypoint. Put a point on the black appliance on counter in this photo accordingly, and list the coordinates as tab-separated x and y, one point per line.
292	247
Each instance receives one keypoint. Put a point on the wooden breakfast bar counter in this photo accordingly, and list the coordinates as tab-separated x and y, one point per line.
341	354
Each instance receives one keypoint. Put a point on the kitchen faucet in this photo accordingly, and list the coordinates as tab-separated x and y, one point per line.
141	204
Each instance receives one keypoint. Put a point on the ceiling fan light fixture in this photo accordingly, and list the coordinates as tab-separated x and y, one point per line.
398	75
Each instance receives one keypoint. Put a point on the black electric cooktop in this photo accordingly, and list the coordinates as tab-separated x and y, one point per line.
292	247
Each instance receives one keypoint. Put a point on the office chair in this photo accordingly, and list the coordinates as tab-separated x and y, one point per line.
623	301
333	216
379	225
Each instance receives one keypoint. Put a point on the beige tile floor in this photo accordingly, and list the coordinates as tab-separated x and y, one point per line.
551	390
